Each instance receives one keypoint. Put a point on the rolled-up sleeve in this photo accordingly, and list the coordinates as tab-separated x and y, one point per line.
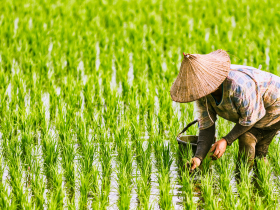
203	116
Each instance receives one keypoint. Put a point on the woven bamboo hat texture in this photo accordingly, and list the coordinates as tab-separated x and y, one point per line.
200	75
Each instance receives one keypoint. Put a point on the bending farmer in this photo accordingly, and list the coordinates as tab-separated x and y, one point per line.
244	95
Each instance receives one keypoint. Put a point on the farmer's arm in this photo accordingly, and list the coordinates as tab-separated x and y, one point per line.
206	124
205	139
220	146
204	142
236	131
206	136
251	109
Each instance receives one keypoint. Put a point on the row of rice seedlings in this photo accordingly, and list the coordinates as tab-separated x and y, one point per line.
224	170
37	181
68	154
274	159
244	185
124	174
186	179
124	36
5	198
88	172
144	166
164	160
16	179
265	184
105	158
50	151
207	190
56	194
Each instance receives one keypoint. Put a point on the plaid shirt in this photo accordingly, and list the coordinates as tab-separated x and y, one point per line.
250	96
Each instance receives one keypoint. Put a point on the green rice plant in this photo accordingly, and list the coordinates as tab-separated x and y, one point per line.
163	156
274	158
259	203
87	156
50	151
144	166
39	116
37	184
207	190
244	185
26	146
56	194
225	172
186	179
68	154
88	174
265	183
184	156
105	159
5	199
206	165
64	122
124	175
15	180
165	200
120	136
163	164
89	183
187	182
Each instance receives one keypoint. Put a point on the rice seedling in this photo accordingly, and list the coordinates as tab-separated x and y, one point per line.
163	164
88	173
144	166
124	174
244	185
274	150
56	195
207	190
105	160
68	156
15	174
5	198
187	182
265	184
37	184
50	151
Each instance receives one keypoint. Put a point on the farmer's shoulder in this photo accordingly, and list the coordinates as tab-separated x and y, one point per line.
239	77
247	74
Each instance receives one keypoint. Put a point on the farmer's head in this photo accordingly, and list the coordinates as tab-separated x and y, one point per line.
200	75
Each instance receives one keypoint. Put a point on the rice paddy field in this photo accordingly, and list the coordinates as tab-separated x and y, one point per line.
87	121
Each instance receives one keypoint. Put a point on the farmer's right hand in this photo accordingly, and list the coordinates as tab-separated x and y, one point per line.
195	162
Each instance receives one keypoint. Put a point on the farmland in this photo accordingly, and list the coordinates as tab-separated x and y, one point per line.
87	121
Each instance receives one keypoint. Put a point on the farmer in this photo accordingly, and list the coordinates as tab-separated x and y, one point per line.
244	95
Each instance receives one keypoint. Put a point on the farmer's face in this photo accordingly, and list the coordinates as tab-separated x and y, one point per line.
218	89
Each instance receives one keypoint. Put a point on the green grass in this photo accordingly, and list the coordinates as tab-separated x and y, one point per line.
84	98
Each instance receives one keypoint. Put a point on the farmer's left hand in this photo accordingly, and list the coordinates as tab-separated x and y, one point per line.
219	148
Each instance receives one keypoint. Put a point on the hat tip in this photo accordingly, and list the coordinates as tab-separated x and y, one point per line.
186	54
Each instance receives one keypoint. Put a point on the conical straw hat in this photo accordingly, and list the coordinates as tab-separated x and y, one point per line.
200	75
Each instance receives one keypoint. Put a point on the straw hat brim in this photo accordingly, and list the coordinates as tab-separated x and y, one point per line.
200	75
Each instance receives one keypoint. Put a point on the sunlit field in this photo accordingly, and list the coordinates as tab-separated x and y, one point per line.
87	121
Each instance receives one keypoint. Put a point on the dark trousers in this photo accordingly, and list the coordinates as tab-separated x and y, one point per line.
255	142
